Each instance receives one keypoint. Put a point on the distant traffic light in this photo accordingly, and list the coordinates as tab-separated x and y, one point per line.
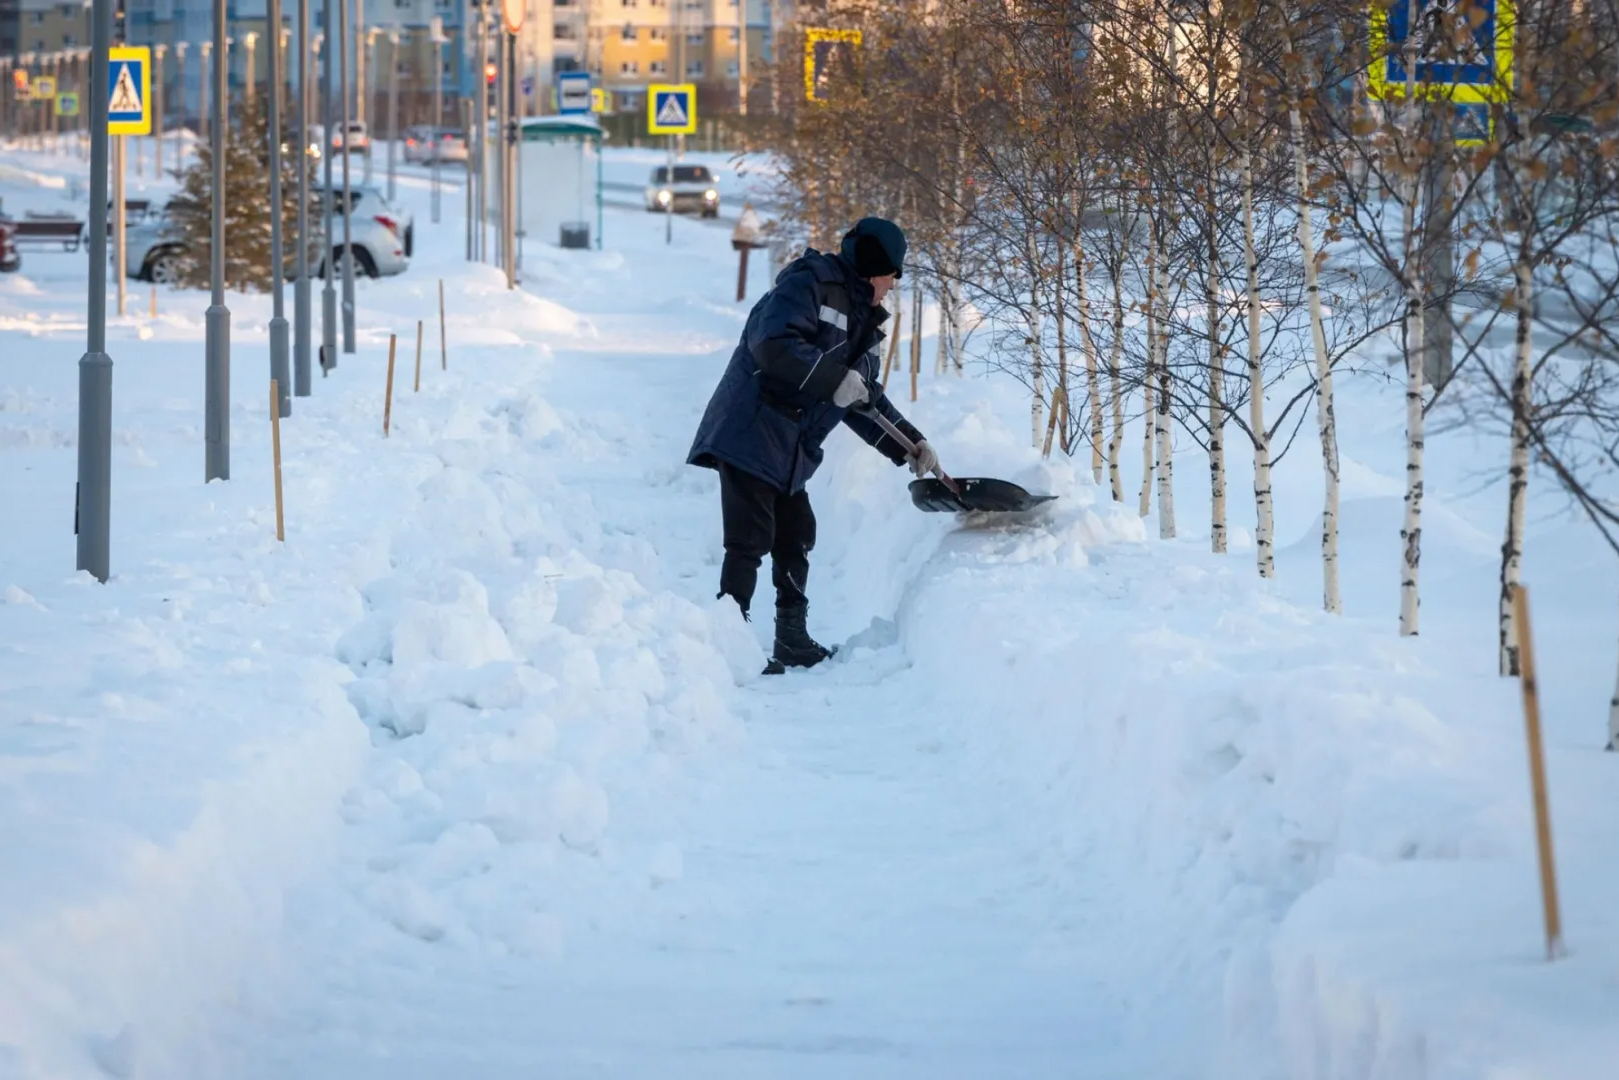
489	70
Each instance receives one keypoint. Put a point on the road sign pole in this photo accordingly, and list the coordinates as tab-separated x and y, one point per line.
483	133
466	127
503	73
278	320
93	509
328	255
669	207
120	162
300	291
216	320
348	190
157	109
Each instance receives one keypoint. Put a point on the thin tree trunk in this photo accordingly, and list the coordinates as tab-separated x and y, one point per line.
1217	481
1149	415
916	335
1166	435
1326	420
893	342
1092	381
1415	348
1062	349
1114	444
1264	512
1036	367
1518	470
1613	718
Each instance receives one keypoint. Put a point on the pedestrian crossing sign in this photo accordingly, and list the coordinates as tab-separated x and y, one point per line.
129	94
671	109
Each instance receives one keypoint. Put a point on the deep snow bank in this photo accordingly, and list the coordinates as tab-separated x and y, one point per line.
1316	831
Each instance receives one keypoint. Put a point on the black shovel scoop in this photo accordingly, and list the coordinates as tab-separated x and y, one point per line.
941	494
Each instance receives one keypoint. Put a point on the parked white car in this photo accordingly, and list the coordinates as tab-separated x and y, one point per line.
425	145
382	236
358	140
692	189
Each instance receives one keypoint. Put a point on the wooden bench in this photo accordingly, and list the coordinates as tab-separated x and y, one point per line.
46	232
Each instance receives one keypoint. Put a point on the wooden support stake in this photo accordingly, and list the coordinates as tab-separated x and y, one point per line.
154	299
1537	775
388	397
443	347
418	386
1051	423
742	272
893	342
916	337
275	454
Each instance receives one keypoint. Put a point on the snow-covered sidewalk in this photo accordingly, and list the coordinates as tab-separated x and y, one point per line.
472	777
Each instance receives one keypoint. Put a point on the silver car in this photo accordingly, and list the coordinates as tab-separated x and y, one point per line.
382	237
425	145
692	189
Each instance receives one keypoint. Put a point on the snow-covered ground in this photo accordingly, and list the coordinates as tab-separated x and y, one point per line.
471	777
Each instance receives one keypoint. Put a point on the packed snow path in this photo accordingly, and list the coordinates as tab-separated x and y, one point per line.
846	892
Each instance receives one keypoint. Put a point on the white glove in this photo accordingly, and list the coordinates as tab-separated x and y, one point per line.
851	391
924	460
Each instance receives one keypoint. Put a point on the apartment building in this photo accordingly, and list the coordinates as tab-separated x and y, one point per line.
633	43
43	26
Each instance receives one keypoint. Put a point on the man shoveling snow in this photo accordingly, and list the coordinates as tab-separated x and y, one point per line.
808	355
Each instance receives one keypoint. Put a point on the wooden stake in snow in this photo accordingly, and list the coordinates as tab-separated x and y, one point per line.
443	343
275	456
1537	778
893	342
418	386
154	300
388	395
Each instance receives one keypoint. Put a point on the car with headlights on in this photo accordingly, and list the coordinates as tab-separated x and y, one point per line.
692	189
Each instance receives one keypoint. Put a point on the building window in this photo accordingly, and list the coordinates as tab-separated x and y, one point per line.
657	67
627	3
733	69
660	33
39	17
630	67
733	35
629	102
628	32
694	38
563	32
694	69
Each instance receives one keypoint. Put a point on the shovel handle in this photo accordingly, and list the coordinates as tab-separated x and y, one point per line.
908	446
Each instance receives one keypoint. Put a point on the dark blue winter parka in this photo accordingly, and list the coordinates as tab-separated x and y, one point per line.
773	407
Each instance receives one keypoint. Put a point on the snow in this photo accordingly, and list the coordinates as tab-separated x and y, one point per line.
474	774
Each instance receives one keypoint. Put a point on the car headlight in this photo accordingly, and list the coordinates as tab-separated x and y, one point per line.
664	196
711	195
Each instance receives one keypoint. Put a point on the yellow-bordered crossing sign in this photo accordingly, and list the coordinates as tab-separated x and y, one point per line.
129	91
823	49
671	108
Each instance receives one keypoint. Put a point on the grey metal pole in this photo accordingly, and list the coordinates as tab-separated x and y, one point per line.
216	320
328	255
438	116
466	127
93	501
300	289
348	191
157	109
503	146
393	108
483	132
278	320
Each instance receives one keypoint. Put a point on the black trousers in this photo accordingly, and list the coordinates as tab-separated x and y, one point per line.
761	520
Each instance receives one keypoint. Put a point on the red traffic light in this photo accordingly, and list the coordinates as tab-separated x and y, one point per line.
19	79
489	71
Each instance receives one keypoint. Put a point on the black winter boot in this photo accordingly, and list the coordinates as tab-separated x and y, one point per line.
794	646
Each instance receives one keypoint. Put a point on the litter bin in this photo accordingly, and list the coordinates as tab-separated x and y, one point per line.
576	234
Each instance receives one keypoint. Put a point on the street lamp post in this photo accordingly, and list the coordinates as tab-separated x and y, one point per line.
328	292
438	108
185	108
202	90
157	110
278	320
393	106
367	62
343	46
300	291
93	497
216	320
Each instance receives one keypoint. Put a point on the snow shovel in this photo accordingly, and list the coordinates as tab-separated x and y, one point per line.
941	494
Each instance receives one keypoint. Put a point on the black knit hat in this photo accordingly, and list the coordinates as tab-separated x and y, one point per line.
876	246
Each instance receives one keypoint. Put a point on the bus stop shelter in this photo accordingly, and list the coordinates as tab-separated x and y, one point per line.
559	180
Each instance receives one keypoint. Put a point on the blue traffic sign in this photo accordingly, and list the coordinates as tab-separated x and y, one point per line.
573	92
